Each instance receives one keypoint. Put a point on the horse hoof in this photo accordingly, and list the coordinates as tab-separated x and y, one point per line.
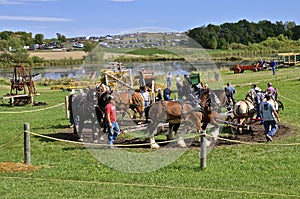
80	140
181	143
155	146
101	138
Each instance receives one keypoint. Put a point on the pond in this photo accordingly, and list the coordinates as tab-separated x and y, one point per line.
161	67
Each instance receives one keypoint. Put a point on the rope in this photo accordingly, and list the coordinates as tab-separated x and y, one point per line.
289	99
13	139
30	111
162	142
152	186
254	143
103	145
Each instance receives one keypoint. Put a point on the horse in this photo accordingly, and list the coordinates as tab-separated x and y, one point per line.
126	101
244	111
177	112
84	110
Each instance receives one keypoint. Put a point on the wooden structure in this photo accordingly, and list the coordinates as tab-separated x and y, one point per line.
116	76
289	58
21	83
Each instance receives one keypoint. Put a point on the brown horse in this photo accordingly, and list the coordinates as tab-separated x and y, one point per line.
175	113
126	101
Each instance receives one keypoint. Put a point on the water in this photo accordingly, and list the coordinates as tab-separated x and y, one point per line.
175	67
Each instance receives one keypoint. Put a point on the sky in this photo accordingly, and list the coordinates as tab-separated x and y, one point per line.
75	18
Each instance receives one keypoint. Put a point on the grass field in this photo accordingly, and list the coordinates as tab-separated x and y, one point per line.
65	170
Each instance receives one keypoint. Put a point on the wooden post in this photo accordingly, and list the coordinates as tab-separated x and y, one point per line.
131	80
153	91
27	143
203	152
67	107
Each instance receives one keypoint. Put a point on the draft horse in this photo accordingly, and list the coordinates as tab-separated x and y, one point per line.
243	111
177	112
84	113
126	101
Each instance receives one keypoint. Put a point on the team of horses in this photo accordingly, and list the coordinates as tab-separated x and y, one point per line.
89	112
195	112
244	111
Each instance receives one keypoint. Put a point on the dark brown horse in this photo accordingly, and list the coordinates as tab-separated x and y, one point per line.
175	113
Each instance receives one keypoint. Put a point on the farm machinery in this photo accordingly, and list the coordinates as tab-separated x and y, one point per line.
22	87
253	67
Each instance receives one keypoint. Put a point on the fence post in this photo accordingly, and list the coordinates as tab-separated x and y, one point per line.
203	151
67	107
27	143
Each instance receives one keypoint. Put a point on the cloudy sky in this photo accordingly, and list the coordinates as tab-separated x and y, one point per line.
101	17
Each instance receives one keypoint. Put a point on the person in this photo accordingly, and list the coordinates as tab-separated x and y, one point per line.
169	80
146	97
252	90
273	66
217	76
167	94
142	79
159	95
258	97
269	116
111	121
71	99
230	91
186	89
271	90
179	86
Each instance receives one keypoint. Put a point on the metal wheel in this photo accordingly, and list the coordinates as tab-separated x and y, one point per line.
234	128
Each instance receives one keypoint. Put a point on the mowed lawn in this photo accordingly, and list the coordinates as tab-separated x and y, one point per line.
66	170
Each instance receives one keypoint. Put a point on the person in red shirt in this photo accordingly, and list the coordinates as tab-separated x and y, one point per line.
111	121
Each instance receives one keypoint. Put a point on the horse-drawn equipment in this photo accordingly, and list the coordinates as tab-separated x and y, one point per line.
21	81
241	68
245	113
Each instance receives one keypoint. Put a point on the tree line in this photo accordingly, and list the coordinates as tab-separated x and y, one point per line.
243	34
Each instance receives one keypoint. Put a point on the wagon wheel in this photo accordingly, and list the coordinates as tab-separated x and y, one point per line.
234	128
237	69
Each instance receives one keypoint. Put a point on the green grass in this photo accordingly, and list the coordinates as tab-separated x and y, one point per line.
150	51
71	171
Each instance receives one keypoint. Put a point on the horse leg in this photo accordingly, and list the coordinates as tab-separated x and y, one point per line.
152	130
180	140
80	129
169	132
153	144
242	122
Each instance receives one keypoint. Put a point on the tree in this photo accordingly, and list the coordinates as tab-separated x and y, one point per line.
61	38
89	46
39	38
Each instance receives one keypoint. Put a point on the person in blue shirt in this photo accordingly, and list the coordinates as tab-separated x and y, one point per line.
167	94
230	91
273	66
269	116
